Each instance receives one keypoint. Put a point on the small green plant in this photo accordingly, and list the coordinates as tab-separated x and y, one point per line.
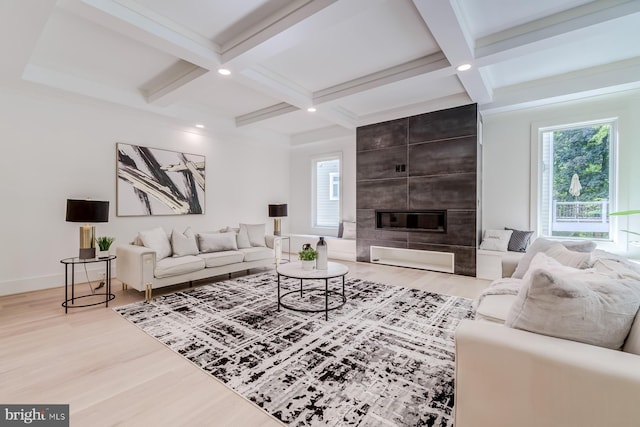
104	242
308	254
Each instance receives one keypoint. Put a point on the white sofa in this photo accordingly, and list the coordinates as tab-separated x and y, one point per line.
147	267
509	377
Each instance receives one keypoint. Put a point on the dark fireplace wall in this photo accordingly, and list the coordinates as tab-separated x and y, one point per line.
428	161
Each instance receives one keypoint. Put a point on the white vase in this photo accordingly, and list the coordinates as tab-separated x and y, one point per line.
308	265
321	261
103	254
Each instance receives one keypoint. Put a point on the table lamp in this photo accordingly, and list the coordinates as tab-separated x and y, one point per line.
276	212
87	211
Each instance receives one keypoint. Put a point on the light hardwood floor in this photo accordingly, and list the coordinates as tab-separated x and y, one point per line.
111	373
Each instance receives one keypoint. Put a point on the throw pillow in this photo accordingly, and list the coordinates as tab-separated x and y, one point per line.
542	245
585	307
519	240
349	230
255	233
184	243
566	257
496	240
242	237
157	240
217	242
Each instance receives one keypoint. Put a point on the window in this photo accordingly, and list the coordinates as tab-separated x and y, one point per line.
576	183
326	191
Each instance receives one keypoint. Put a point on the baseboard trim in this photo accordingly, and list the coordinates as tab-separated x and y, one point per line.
38	283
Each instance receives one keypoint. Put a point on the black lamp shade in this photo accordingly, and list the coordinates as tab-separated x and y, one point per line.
278	211
87	211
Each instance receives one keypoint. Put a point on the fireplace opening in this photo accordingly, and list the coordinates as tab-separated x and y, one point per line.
431	220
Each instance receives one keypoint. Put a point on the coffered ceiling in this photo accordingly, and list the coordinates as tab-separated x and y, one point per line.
356	61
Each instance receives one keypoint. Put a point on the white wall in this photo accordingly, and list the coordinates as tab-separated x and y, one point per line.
299	220
58	146
507	139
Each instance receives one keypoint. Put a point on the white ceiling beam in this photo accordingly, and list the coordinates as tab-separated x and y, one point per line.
265	113
436	65
140	24
550	31
614	77
447	26
284	19
173	83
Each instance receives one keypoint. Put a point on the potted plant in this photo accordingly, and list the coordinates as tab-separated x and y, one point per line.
308	257
104	243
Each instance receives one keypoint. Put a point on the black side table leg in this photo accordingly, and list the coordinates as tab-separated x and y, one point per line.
66	288
107	277
278	292
300	288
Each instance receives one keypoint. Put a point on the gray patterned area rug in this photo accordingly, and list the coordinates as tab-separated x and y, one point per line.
386	358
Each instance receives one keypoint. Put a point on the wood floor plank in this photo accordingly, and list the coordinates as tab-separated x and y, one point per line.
111	373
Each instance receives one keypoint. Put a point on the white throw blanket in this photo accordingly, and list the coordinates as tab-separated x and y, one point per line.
504	286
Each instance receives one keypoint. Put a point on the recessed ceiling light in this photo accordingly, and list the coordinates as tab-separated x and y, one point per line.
311	109
463	67
224	71
199	126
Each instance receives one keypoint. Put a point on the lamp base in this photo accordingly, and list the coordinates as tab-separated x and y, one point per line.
87	253
276	226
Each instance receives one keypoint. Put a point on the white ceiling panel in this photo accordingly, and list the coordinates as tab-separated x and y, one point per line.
74	46
357	46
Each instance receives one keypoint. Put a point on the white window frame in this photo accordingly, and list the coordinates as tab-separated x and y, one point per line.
314	213
537	166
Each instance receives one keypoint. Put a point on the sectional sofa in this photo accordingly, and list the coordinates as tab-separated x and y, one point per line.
557	344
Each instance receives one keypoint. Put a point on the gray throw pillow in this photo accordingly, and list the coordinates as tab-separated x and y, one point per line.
217	242
584	307
542	245
184	243
519	240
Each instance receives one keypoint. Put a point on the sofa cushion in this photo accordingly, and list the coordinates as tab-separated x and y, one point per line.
184	243
217	242
174	266
589	307
255	233
157	240
496	240
257	253
542	245
217	259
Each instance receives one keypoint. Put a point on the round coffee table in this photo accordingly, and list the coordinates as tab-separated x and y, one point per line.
294	271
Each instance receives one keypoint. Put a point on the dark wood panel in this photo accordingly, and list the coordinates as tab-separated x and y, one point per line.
443	124
383	163
464	259
461	230
382	194
443	157
382	135
366	219
457	191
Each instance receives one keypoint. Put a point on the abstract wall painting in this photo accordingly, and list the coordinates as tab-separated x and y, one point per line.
152	181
